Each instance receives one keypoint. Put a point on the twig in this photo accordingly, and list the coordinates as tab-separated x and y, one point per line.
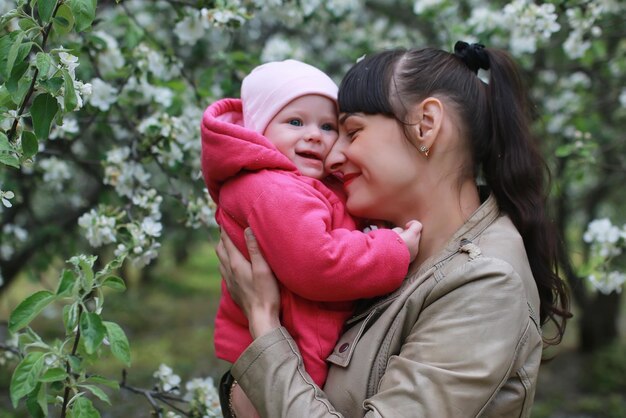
31	88
68	369
10	349
153	396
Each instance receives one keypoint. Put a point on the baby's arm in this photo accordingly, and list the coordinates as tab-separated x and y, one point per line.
411	236
299	235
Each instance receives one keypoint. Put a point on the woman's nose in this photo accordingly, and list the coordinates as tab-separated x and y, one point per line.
336	157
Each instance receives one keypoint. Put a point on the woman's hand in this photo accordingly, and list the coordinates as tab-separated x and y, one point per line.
252	285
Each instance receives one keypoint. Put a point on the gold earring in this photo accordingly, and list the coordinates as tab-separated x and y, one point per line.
424	149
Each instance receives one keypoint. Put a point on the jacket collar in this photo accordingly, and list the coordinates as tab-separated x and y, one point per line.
484	216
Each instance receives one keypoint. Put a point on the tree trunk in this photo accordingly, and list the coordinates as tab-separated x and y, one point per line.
598	322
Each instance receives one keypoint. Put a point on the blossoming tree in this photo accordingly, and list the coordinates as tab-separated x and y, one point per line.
101	103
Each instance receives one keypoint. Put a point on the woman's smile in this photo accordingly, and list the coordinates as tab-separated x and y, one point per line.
348	178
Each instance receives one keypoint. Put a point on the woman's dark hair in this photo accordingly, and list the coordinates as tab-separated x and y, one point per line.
496	118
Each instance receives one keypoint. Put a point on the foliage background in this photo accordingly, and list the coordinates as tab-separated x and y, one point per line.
122	86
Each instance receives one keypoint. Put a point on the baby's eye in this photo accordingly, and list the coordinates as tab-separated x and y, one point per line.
295	122
328	127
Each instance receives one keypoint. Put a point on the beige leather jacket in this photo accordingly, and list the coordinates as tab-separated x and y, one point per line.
460	338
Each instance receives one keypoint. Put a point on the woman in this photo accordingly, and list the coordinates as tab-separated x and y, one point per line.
462	335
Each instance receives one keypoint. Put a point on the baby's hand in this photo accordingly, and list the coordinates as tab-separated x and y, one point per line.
411	236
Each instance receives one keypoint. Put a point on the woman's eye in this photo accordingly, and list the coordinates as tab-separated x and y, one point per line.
328	127
295	122
352	134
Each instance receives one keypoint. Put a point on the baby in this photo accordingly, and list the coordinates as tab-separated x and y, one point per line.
263	163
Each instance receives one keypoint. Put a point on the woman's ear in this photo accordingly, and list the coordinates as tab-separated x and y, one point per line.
430	115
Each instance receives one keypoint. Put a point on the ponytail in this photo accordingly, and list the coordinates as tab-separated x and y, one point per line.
515	171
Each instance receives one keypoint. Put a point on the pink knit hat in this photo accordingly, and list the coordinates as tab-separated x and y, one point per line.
270	87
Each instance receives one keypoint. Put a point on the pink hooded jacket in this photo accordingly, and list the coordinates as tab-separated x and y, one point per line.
304	232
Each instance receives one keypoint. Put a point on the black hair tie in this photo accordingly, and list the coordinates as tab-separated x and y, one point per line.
473	55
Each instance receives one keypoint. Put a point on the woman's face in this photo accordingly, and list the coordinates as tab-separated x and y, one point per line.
378	164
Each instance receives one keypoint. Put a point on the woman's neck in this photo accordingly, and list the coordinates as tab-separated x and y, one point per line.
442	214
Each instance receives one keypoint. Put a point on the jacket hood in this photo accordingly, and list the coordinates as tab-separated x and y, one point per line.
228	148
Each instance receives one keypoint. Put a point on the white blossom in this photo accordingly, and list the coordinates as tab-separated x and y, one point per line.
574	46
340	8
601	231
12	236
100	229
222	17
421	6
123	174
68	127
484	19
167	380
103	95
109	58
529	24
55	172
201	212
309	7
190	28
148	91
279	48
5	196
149	200
608	283
202	395
151	227
70	62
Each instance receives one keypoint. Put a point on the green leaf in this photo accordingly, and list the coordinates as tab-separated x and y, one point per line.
13	51
30	146
86	267
16	81
55	374
46	8
36	402
70	317
43	62
115	283
64	20
103	381
28	309
52	85
6	43
5	145
9	159
25	376
26	23
83	408
98	392
76	363
66	284
69	97
84	12
42	111
92	331
118	341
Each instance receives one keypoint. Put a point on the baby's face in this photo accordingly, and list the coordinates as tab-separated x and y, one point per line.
305	131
